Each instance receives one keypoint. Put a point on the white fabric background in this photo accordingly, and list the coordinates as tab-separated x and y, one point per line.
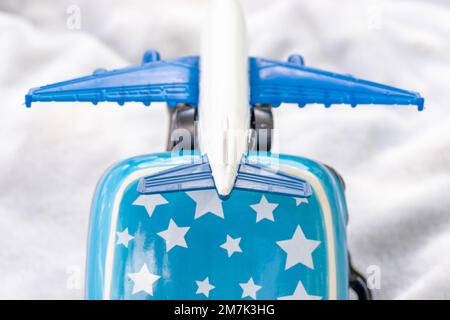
396	161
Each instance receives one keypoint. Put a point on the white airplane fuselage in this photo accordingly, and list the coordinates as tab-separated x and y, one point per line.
224	111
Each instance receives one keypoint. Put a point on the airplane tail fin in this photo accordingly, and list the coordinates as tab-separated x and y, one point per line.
252	177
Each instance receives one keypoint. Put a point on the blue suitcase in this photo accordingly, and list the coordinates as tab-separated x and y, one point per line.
193	245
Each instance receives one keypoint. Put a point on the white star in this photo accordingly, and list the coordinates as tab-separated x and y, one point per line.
143	280
174	235
249	289
264	209
150	201
204	287
124	237
299	249
300	294
299	201
231	245
207	201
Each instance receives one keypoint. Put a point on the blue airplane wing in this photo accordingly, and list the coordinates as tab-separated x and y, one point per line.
177	81
197	176
274	82
172	81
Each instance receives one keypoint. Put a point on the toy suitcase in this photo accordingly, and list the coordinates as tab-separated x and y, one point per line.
193	245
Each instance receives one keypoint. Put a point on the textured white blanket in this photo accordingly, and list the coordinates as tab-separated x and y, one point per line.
396	161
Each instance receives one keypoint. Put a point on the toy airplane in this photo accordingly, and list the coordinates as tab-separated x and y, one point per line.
225	220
